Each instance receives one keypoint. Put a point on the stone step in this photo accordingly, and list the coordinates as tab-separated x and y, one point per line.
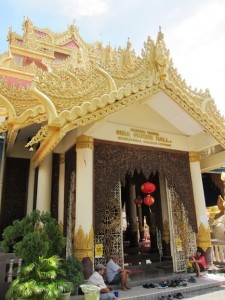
207	282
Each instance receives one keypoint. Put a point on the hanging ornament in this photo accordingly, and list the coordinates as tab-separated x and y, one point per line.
138	200
149	200
148	187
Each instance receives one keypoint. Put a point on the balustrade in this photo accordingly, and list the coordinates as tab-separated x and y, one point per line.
218	251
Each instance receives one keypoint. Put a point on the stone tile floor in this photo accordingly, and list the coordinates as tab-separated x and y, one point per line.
209	287
217	293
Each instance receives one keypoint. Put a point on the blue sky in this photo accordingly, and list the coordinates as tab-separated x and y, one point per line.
194	30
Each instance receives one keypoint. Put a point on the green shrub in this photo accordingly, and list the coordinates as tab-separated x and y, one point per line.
73	271
36	235
40	280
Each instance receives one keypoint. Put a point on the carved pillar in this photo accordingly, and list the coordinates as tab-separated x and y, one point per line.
204	239
165	218
44	185
133	216
140	222
61	188
84	237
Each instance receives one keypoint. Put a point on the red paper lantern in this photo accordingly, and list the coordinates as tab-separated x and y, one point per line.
149	200
138	200
148	187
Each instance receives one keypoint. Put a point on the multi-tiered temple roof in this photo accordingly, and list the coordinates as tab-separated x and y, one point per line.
56	82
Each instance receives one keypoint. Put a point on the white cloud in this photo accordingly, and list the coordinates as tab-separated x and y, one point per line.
82	8
66	8
197	47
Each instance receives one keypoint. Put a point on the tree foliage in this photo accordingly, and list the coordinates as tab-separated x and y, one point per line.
36	235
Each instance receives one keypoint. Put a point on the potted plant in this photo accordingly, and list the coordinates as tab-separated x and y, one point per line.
65	288
40	280
73	271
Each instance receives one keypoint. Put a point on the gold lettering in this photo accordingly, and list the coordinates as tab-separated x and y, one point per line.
122	132
152	133
143	136
163	139
138	130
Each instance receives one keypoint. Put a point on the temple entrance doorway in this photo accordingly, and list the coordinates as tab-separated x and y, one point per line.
142	222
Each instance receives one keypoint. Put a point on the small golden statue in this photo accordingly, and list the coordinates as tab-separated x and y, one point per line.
221	207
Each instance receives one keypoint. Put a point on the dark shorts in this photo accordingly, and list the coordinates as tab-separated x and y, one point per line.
116	279
201	267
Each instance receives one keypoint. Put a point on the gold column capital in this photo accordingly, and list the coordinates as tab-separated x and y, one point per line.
62	158
204	237
194	156
84	141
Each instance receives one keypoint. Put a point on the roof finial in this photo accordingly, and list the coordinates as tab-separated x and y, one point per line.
9	36
160	36
129	45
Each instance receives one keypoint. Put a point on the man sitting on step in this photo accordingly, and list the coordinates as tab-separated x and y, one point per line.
97	279
116	274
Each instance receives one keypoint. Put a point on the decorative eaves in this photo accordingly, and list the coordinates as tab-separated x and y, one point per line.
94	82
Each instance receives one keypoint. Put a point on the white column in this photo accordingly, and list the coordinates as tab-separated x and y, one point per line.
84	238
44	185
199	197
30	193
61	189
204	236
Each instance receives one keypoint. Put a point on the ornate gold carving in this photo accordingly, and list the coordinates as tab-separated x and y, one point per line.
62	158
194	156
11	137
19	97
204	237
162	58
47	103
84	244
166	232
84	141
8	106
9	67
89	83
39	137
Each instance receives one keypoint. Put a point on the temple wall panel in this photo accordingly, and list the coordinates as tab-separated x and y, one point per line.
14	197
114	160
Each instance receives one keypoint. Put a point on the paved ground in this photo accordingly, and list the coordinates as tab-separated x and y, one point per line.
217	293
208	287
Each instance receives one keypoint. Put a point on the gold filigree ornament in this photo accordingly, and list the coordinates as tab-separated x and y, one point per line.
89	83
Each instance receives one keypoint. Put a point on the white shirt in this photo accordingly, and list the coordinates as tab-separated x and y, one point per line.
98	280
112	270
